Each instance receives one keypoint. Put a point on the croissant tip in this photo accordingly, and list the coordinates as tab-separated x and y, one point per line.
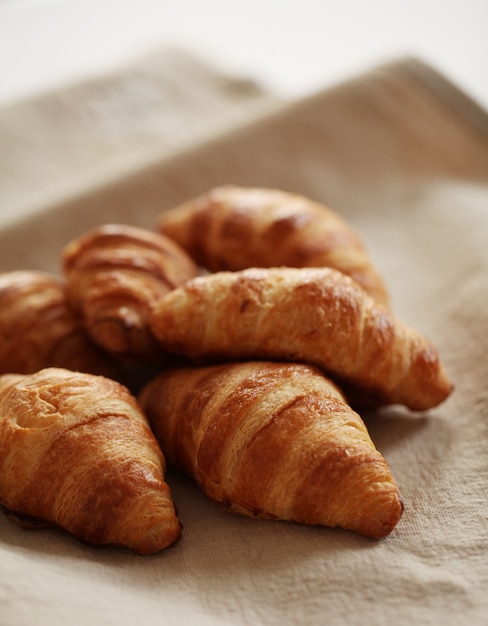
158	539
387	519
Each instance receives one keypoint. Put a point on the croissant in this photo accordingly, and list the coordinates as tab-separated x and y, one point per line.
114	273
314	315
76	452
232	228
274	440
38	329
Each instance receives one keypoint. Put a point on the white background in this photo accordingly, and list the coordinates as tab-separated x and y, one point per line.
293	47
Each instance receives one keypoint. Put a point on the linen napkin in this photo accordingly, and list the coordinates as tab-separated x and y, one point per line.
63	142
402	154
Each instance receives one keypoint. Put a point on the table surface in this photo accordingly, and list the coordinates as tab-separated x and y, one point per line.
293	47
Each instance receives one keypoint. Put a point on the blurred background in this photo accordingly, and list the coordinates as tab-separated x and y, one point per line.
291	47
93	90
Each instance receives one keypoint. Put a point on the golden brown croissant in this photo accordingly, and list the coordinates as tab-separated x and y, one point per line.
114	274
76	452
313	315
232	228
38	330
274	440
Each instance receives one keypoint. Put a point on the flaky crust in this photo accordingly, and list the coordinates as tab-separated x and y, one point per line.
233	228
314	315
114	273
76	452
274	440
38	329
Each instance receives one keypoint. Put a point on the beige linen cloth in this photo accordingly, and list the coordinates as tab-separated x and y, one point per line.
401	154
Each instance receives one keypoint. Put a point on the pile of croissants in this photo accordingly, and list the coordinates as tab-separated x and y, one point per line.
231	341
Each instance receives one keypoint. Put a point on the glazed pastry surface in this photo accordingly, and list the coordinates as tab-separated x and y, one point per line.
114	274
313	315
38	329
276	441
76	452
233	228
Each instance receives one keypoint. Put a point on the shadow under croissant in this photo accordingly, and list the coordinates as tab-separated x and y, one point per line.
207	530
57	535
391	426
196	513
219	557
394	426
228	547
388	427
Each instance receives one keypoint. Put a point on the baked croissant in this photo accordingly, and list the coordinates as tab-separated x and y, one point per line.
114	273
38	329
274	440
232	228
76	452
313	315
